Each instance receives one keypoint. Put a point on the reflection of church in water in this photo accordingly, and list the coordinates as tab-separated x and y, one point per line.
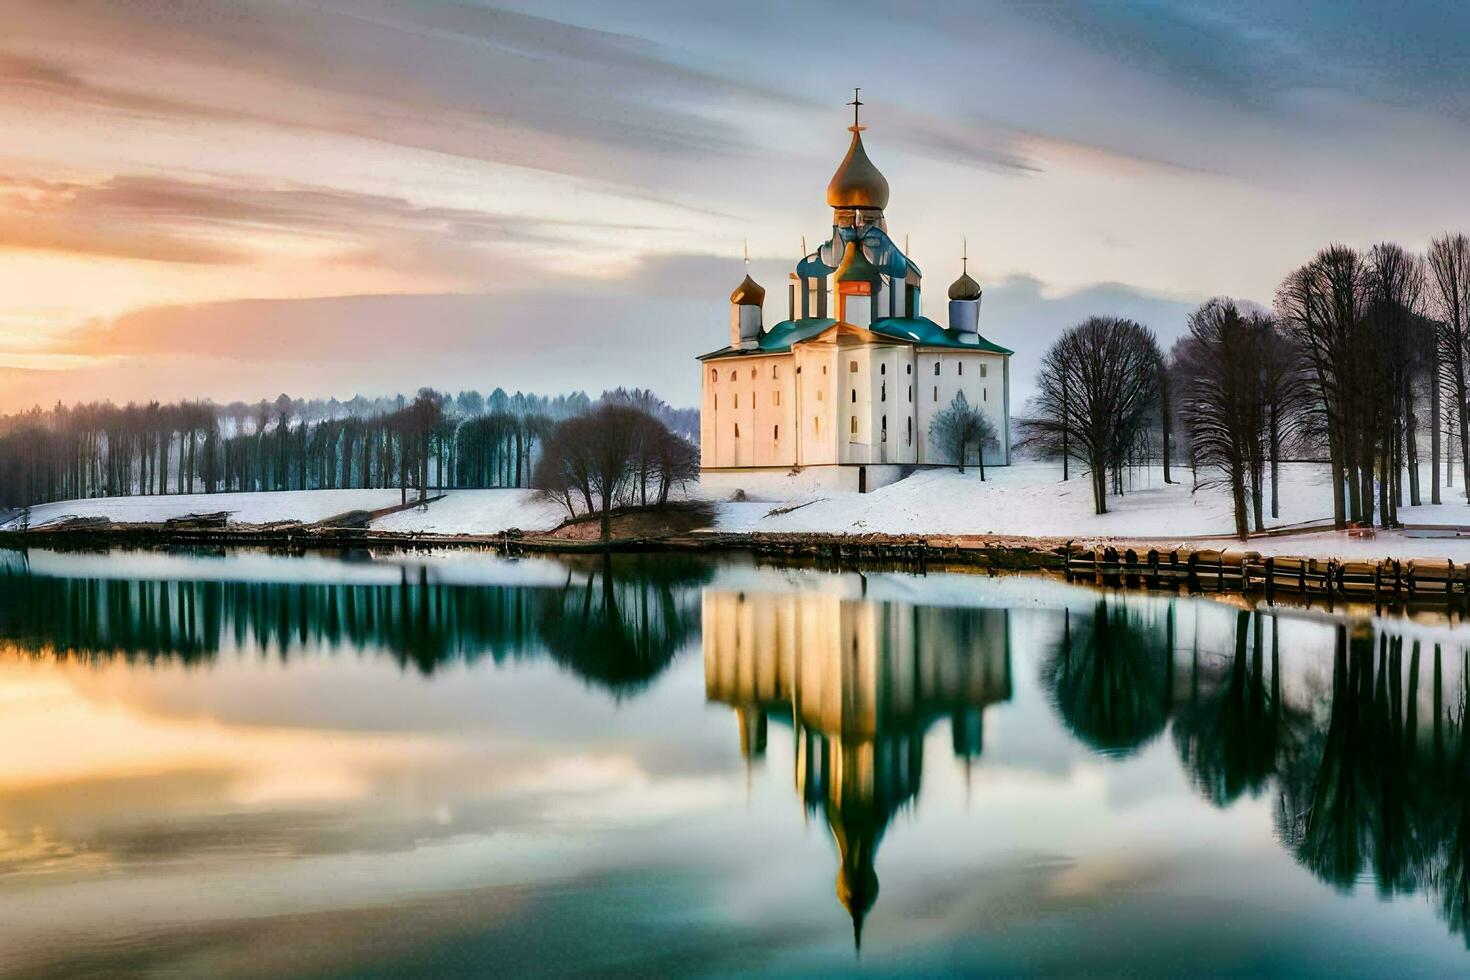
860	683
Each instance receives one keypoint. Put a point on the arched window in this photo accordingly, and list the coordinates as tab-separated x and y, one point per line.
854	396
775	433
817	424
737	399
936	369
882	368
985	394
911	430
959	367
776	398
732	375
752	373
936	395
911	394
737	430
714	376
717	402
982	370
885	428
910	369
852	426
824	369
773	370
883	392
852	366
819	394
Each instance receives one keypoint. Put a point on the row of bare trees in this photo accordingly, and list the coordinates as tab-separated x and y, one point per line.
433	439
1364	353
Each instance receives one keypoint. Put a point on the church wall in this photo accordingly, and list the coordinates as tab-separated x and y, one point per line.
817	398
986	392
747	412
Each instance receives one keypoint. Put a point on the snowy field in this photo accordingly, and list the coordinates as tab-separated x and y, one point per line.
243	508
1030	499
477	512
1025	500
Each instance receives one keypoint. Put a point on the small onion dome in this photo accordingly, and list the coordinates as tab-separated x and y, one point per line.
964	288
855	266
748	293
857	183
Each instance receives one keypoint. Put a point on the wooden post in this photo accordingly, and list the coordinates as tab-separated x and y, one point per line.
1270	577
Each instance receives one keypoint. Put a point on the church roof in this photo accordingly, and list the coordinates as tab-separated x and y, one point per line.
857	183
748	293
917	330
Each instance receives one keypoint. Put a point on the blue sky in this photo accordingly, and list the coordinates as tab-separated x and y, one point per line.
214	198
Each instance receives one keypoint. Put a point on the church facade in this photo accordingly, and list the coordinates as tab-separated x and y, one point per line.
843	390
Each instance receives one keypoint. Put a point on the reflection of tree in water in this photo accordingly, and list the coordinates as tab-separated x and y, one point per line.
1230	727
1111	677
642	611
623	625
1377	789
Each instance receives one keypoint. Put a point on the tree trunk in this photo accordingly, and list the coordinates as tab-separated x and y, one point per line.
1434	429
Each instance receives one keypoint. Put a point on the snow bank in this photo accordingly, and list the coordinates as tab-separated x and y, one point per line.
243	508
1030	499
477	512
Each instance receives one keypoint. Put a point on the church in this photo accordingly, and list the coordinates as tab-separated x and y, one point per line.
842	391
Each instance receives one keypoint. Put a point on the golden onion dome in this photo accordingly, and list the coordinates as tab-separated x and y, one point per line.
857	183
964	288
748	293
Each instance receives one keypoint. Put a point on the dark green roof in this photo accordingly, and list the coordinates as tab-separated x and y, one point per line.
926	333
915	330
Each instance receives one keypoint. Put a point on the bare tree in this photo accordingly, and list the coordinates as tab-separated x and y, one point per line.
961	429
1449	280
1099	385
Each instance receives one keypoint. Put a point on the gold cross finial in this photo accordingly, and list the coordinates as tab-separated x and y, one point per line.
856	104
747	253
964	254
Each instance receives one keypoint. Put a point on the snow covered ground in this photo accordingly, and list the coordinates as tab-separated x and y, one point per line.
244	508
1030	499
478	512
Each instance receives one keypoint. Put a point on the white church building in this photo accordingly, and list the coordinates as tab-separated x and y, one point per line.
842	390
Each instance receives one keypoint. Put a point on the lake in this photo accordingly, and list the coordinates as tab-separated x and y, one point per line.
235	763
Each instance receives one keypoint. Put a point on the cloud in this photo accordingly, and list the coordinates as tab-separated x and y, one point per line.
208	222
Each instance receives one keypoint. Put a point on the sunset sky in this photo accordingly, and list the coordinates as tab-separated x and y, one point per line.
230	199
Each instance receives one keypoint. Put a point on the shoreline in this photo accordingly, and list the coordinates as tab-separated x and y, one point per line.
1202	566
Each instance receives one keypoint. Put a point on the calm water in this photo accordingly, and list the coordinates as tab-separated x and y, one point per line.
374	766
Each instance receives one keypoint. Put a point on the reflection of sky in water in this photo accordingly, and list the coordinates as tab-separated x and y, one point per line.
537	804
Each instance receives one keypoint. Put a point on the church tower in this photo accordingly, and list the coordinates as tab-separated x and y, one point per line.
747	304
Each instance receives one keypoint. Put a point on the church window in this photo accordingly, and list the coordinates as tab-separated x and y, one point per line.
798	369
985	394
717	402
960	367
776	398
910	368
852	366
882	368
936	369
752	373
911	430
885	428
852	426
854	396
737	399
936	394
773	370
911	394
819	394
732	375
714	376
982	370
775	433
824	369
737	430
883	392
817	424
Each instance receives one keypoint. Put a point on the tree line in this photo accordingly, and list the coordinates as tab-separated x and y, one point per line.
1362	355
432	439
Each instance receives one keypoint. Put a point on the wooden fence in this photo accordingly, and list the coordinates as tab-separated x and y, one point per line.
1249	572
